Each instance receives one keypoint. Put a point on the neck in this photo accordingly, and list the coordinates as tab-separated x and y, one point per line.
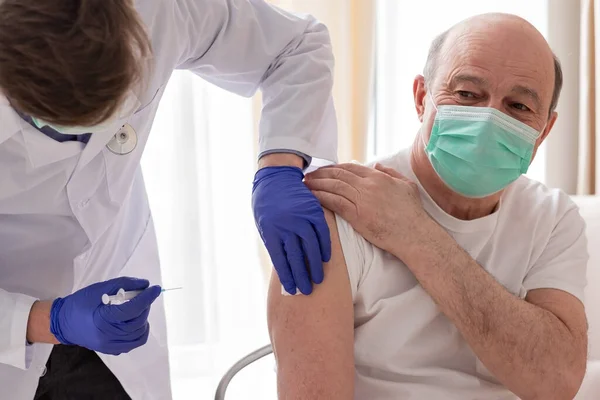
451	202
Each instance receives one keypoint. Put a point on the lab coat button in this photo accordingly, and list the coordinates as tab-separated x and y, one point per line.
43	371
84	203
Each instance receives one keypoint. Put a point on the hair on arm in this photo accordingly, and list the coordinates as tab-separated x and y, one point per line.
313	336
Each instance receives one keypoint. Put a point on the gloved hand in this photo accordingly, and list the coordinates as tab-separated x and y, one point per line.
81	318
292	225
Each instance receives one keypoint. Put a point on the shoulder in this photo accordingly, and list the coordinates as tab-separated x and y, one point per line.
530	200
550	221
399	161
357	251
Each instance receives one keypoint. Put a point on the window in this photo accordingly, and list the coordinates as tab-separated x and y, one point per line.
404	31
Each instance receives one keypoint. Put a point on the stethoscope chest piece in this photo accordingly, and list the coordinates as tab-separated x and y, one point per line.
124	141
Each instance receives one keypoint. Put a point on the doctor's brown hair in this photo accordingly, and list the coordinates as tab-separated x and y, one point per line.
70	62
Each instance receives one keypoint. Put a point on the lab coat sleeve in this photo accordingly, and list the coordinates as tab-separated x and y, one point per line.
247	45
14	314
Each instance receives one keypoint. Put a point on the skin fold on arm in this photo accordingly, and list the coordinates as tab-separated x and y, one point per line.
313	336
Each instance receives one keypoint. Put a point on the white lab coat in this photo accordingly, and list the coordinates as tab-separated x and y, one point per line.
74	214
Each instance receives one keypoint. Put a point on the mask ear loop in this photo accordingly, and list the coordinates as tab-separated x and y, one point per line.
430	97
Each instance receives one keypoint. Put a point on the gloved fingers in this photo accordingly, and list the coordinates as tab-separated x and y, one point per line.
324	236
312	253
141	336
295	256
128	283
120	346
112	286
282	267
137	322
134	307
115	333
122	328
134	334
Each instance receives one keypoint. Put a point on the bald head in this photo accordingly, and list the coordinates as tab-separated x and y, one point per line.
502	38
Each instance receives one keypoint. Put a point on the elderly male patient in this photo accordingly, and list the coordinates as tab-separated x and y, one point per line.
452	276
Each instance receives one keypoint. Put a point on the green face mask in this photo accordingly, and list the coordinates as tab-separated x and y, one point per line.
76	130
478	151
128	107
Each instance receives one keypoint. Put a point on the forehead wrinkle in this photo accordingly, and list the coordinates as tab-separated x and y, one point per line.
464	77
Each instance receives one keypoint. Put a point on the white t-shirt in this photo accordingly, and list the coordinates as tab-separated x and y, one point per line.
405	348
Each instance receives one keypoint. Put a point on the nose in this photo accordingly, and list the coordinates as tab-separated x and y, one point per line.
496	103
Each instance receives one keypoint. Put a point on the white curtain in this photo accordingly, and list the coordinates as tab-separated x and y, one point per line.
562	143
351	27
574	147
198	167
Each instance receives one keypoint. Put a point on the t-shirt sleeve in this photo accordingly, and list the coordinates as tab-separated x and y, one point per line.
563	263
357	252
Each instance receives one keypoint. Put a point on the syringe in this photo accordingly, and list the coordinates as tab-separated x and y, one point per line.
123	296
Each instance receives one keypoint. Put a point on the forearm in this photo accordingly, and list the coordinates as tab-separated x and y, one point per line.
38	324
527	348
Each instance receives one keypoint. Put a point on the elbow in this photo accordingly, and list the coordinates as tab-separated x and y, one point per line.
317	39
567	382
570	378
571	382
317	27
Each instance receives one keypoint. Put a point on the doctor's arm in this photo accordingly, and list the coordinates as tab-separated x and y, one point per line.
14	316
248	45
313	336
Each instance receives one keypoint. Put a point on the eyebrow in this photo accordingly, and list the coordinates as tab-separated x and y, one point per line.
519	89
529	92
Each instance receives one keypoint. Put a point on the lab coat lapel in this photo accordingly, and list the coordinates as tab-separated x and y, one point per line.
9	120
97	142
100	139
43	150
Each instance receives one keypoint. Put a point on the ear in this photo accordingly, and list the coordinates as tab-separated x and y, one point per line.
419	93
549	126
545	133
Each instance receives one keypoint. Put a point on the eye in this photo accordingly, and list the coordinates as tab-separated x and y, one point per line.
465	94
521	107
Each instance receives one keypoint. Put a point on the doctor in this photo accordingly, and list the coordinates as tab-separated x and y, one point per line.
80	83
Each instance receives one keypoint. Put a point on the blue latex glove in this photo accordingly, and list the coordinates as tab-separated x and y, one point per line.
292	225
81	319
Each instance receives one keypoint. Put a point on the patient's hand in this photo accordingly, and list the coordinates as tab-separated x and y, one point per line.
380	203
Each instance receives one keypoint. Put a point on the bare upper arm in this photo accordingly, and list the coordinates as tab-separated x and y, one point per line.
313	336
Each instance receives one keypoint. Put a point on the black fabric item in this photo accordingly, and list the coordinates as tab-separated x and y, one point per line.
59	137
76	373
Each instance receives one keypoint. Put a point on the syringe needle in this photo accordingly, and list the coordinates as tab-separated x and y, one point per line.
169	289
